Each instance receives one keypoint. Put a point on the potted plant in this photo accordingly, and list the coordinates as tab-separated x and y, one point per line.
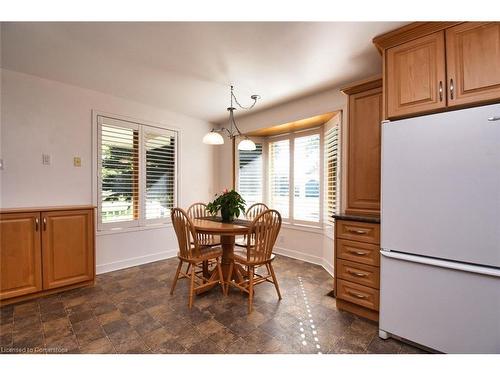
230	204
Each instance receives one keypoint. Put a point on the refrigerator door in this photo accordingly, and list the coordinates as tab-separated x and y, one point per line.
452	308
441	186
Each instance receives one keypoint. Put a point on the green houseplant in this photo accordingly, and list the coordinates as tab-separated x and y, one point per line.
230	204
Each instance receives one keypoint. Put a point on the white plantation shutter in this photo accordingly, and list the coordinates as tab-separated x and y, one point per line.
250	179
306	178
279	176
160	159
118	162
137	173
331	171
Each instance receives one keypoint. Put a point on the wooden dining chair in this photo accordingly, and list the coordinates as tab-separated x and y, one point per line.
194	255
251	213
199	210
259	252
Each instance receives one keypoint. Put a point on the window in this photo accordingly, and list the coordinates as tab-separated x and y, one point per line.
137	173
331	169
250	181
306	177
279	176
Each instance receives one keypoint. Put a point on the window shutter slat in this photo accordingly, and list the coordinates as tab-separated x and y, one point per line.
307	178
279	176
331	164
160	173
119	174
250	175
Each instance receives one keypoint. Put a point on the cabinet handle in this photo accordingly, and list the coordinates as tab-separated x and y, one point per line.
357	295
37	224
494	118
357	252
44	223
357	274
440	91
357	231
452	88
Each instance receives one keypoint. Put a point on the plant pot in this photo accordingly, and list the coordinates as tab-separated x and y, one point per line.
226	215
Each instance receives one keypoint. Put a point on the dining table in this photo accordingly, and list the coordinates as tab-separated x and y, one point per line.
227	232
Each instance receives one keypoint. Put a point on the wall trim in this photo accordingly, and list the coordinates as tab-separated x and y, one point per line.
136	261
305	257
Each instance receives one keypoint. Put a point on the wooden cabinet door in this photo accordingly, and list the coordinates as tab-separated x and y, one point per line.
67	247
415	76
473	62
363	165
20	254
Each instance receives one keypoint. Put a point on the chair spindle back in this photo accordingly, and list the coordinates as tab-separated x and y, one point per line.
186	234
265	228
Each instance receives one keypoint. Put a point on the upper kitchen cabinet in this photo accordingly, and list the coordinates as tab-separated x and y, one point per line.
473	62
363	147
415	75
436	66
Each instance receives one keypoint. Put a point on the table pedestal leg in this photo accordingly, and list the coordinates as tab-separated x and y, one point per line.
227	243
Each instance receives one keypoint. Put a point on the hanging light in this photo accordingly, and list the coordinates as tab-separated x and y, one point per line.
215	135
246	145
213	138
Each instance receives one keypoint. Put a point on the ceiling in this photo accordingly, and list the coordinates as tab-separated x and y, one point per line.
187	67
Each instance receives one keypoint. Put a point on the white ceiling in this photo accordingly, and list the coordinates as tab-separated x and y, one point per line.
188	67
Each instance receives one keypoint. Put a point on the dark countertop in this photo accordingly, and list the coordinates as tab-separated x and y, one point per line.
365	219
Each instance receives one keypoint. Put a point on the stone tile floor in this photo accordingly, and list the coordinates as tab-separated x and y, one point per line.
131	311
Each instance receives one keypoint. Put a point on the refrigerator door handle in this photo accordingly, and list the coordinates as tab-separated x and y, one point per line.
489	271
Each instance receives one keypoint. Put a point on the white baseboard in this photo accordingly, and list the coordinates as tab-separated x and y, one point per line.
131	262
137	261
305	257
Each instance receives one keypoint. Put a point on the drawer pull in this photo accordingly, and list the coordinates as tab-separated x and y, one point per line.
44	223
357	274
37	224
357	295
355	252
357	231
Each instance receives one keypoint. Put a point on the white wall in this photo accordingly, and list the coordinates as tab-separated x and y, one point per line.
43	116
311	246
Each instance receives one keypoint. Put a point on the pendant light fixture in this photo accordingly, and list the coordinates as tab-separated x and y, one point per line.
215	135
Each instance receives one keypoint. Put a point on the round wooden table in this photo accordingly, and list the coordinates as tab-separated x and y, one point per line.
227	233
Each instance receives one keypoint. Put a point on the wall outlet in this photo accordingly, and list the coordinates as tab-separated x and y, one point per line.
45	159
77	161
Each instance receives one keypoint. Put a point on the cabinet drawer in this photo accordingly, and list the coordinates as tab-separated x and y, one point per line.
358	273
358	231
358	294
360	252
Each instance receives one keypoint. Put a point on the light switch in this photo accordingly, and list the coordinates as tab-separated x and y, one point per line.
45	159
77	161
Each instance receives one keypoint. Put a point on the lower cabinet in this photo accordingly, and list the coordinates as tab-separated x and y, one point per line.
357	271
20	254
45	251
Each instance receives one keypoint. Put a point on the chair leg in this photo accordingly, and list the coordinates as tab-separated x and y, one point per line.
275	280
250	288
221	277
229	275
191	288
176	277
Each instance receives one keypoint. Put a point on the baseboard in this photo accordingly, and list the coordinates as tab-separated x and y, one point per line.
137	261
131	262
305	257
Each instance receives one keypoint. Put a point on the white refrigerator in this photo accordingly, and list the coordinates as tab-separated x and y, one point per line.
440	230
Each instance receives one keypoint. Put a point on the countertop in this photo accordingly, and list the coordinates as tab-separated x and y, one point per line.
365	219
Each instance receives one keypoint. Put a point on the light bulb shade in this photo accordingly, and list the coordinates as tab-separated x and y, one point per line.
246	145
213	138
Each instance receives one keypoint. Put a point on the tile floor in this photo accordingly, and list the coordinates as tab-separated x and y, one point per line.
131	311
